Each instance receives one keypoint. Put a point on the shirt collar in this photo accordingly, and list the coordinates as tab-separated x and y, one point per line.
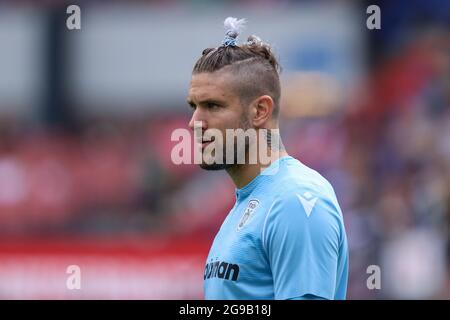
267	173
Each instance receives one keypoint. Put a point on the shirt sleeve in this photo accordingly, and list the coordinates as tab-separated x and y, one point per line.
301	238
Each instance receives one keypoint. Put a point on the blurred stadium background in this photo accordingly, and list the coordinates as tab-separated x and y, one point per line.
85	122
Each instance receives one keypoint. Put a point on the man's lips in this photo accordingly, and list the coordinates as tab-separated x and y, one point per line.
204	143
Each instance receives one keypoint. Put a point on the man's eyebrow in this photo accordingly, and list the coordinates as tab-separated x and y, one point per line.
206	101
211	101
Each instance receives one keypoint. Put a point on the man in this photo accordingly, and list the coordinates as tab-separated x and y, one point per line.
285	236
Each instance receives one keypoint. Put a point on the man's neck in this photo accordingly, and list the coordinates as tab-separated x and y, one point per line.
243	174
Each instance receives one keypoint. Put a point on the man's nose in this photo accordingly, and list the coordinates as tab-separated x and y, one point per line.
197	120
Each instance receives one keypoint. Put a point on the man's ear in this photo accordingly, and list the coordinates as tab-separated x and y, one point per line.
262	111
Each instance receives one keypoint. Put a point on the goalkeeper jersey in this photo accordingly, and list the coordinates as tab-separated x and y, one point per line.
283	239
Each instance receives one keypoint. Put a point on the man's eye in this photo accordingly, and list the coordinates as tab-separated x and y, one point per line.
212	106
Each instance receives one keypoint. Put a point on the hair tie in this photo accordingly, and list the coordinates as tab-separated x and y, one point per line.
230	39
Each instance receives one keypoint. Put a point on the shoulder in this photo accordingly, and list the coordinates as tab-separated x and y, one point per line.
297	181
304	202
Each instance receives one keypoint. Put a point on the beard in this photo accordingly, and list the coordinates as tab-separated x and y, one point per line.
216	166
223	165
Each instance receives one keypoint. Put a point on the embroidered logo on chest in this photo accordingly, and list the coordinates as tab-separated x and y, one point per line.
248	213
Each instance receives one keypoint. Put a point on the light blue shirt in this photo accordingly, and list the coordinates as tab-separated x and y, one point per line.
283	239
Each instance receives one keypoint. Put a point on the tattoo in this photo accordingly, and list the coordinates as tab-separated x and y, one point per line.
271	135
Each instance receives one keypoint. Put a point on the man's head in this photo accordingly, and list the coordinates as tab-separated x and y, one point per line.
235	87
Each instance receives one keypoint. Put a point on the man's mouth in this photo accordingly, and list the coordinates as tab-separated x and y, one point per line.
205	142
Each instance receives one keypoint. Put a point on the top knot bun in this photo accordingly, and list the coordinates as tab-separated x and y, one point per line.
233	26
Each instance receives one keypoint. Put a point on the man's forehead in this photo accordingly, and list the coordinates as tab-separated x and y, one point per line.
210	85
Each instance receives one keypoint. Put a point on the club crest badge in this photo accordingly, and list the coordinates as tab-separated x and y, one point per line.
248	213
